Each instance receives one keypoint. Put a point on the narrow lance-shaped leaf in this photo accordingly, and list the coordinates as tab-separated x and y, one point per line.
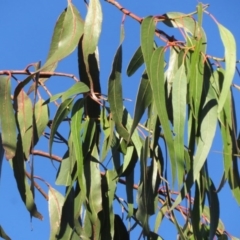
230	63
66	35
147	38
93	186
214	209
77	113
55	204
144	98
24	116
208	124
18	165
61	113
41	118
179	95
136	62
92	30
157	84
7	118
115	92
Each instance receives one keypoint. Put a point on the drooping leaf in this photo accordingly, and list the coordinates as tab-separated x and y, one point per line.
93	187
24	110
64	175
179	95
7	118
92	27
214	209
230	63
18	165
66	35
172	68
160	215
61	113
41	118
77	114
208	124
143	100
157	84
55	204
136	62
147	38
115	94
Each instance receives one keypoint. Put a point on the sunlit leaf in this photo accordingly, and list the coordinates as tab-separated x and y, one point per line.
136	62
77	114
61	113
7	118
41	118
18	165
147	37
77	88
115	94
64	174
179	95
230	63
92	27
157	84
25	120
143	100
66	35
208	124
55	204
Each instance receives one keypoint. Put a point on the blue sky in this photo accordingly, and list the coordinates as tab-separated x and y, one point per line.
26	30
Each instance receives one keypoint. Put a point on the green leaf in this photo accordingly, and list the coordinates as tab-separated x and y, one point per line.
208	124
41	119
61	113
143	100
111	177
172	68
115	94
64	174
160	215
196	211
188	24
158	89
230	63
77	88
147	38
3	234
53	98
92	27
136	62
25	118
66	35
77	114
179	95
93	187
18	165
214	209
7	118
1	154
55	204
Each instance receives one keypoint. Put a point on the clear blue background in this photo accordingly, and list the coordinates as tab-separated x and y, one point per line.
26	29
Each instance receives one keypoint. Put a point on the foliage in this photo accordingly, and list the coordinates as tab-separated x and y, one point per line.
183	96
